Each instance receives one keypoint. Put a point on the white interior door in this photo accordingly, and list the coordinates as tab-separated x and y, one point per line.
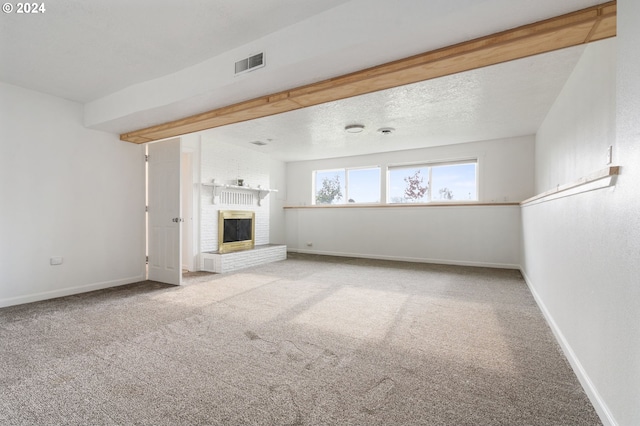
165	240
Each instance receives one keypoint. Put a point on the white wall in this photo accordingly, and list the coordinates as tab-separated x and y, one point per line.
65	191
474	235
225	163
457	235
573	139
581	253
278	179
191	184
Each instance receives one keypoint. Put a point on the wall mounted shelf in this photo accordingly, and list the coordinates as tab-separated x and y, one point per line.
219	188
393	206
609	172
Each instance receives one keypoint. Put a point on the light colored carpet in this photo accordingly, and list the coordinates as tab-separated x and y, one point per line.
307	341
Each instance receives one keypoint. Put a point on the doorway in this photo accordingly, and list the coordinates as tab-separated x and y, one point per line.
186	183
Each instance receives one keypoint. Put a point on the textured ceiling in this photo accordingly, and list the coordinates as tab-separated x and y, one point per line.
509	99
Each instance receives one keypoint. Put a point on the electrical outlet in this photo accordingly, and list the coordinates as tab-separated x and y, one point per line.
610	154
309	244
56	260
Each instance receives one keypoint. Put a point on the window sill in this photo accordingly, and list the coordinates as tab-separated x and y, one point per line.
403	205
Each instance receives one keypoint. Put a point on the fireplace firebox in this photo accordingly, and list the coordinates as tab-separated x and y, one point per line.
236	230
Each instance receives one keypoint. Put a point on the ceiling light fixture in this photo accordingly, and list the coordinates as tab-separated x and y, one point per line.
354	128
259	143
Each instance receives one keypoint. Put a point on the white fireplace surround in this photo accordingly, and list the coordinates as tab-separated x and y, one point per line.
221	191
229	262
222	167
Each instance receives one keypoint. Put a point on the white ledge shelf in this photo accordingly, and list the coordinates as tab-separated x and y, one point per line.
399	205
609	172
219	187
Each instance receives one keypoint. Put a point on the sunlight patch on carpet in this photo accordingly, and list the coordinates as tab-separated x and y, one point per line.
355	312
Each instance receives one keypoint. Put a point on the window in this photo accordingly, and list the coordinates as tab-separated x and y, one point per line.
433	182
408	184
454	182
363	185
341	186
329	186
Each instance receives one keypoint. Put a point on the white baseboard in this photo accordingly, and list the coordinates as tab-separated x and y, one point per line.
408	259
598	403
36	297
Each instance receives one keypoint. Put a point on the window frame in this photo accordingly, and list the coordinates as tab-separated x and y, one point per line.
430	165
345	197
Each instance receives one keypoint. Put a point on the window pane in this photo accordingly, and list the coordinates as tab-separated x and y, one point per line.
455	182
330	187
364	185
408	184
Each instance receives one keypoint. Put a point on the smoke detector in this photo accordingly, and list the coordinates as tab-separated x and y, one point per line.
386	130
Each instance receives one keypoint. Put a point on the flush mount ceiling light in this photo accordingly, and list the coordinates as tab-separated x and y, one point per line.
386	130
354	128
259	143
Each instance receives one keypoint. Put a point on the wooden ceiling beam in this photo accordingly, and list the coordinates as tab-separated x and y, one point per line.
583	26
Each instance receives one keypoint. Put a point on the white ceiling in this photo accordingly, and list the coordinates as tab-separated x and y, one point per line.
84	49
89	50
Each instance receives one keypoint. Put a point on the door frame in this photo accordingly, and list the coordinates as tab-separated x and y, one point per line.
187	199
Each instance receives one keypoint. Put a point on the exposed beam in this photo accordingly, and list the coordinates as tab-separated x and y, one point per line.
572	29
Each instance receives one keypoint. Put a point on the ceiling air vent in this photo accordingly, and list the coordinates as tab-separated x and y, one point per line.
249	64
